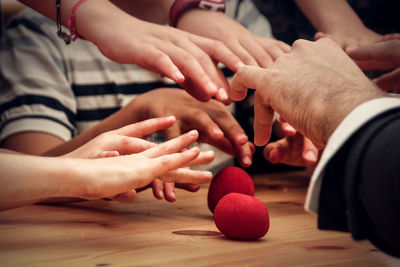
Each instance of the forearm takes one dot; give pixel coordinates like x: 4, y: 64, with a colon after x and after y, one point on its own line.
x: 127, y: 115
x: 92, y: 18
x: 330, y: 16
x: 29, y: 179
x: 360, y: 190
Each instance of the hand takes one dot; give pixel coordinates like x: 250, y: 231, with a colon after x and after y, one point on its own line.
x: 215, y: 123
x: 185, y: 58
x: 383, y: 55
x: 251, y: 49
x: 295, y: 150
x: 126, y: 173
x: 125, y: 141
x: 305, y: 87
x: 351, y: 37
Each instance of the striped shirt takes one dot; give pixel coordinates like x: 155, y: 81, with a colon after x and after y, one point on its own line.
x: 47, y: 86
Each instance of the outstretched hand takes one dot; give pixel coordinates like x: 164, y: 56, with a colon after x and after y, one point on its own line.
x: 305, y: 86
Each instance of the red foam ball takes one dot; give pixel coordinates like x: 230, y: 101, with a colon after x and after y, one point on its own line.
x: 230, y: 179
x: 240, y: 216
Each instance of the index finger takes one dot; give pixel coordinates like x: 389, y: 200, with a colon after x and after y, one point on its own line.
x: 147, y: 127
x: 246, y: 77
x: 263, y: 118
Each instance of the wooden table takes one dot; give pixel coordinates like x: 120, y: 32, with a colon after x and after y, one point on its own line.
x: 156, y: 233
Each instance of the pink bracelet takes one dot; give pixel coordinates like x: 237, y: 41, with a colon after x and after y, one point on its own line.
x: 71, y: 21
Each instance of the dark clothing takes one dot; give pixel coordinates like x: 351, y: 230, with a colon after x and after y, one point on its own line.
x: 360, y: 190
x: 289, y: 23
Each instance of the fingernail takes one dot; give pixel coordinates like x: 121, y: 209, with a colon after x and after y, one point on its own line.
x: 239, y: 64
x: 310, y: 156
x: 179, y: 76
x: 274, y: 156
x: 242, y: 138
x: 173, y: 195
x: 247, y: 161
x: 222, y: 94
x: 170, y: 118
x: 193, y: 133
x: 290, y: 128
x: 212, y: 87
x: 209, y: 153
x: 161, y: 194
x: 216, y: 131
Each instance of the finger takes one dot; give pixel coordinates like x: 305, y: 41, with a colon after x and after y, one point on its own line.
x: 203, y: 158
x: 284, y: 46
x: 184, y: 175
x: 273, y: 152
x: 244, y: 154
x: 223, y: 144
x: 392, y: 36
x: 288, y: 130
x: 244, y: 53
x: 129, y: 145
x: 384, y: 51
x: 158, y: 188
x: 274, y: 48
x: 164, y: 65
x: 169, y: 192
x: 147, y: 127
x: 210, y: 67
x: 310, y: 152
x: 246, y: 77
x: 263, y: 118
x: 223, y: 94
x: 389, y: 81
x: 196, y: 66
x: 188, y: 187
x: 107, y: 154
x: 200, y: 120
x: 231, y: 129
x: 219, y: 52
x: 320, y: 35
x: 173, y: 131
x: 173, y: 145
x: 127, y: 197
x: 375, y: 65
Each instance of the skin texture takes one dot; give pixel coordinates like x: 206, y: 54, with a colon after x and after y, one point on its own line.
x: 101, y: 177
x: 384, y: 55
x: 251, y: 49
x: 185, y: 58
x: 305, y: 87
x: 215, y: 124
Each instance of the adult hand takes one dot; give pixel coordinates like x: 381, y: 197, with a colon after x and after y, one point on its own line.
x: 251, y: 49
x: 305, y: 87
x: 215, y: 123
x: 383, y: 55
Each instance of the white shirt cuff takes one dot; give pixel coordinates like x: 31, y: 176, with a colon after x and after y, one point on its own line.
x: 351, y: 123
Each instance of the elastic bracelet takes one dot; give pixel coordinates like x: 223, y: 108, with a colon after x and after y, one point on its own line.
x: 179, y: 7
x: 73, y: 34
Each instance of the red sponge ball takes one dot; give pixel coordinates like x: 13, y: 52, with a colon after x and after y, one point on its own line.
x: 240, y: 216
x: 229, y: 180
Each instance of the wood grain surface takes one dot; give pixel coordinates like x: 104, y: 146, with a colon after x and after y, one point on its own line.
x: 151, y: 232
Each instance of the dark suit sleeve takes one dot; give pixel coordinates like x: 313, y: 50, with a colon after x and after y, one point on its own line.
x: 360, y: 191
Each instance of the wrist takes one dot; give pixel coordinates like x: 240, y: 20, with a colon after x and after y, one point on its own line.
x: 179, y: 7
